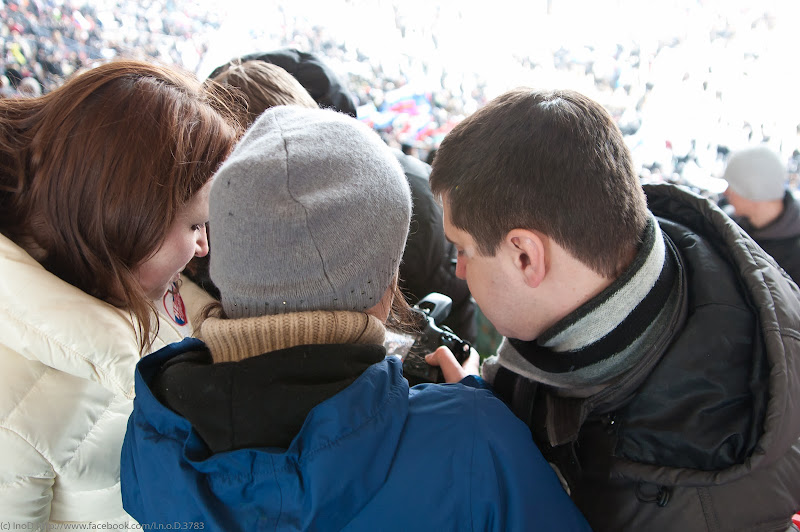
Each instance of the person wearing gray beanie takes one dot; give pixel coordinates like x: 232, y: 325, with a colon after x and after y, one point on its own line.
x: 336, y: 233
x: 756, y: 173
x: 286, y: 413
x: 763, y: 206
x: 290, y: 77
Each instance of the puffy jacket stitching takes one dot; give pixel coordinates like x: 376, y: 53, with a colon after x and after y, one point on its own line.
x: 791, y: 333
x: 19, y: 480
x: 718, y: 304
x: 89, y: 431
x: 113, y: 487
x: 22, y: 399
x: 707, y: 506
x: 67, y: 349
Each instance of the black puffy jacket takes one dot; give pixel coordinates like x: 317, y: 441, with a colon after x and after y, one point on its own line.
x: 709, y: 439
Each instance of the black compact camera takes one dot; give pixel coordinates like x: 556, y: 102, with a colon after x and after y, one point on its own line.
x: 429, y: 313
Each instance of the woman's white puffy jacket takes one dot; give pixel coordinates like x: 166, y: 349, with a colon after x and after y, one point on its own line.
x: 67, y: 361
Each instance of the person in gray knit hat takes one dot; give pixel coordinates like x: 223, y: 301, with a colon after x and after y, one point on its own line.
x: 319, y: 171
x: 756, y: 173
x: 427, y: 264
x: 286, y: 413
x: 763, y: 206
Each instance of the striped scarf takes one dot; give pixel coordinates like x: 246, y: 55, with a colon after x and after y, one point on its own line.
x: 598, y: 342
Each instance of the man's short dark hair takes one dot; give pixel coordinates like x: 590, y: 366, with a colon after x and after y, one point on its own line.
x: 551, y: 161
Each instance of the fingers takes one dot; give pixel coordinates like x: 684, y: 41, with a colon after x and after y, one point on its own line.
x: 451, y: 369
x: 472, y: 365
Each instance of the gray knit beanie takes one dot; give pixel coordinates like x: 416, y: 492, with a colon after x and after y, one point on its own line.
x: 310, y: 212
x: 756, y: 174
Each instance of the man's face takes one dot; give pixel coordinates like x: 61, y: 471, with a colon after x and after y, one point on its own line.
x: 492, y: 280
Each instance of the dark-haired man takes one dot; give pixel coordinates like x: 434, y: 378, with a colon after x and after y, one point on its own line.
x: 651, y: 346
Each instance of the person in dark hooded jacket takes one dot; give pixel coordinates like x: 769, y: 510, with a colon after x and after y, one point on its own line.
x: 652, y: 347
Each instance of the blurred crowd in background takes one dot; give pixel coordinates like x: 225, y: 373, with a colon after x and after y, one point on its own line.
x: 48, y: 40
x: 687, y: 81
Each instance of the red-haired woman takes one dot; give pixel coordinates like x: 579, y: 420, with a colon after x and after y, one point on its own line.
x: 104, y: 188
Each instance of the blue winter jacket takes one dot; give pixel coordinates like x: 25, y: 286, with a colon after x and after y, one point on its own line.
x: 375, y: 456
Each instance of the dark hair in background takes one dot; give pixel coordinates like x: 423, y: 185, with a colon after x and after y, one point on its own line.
x: 552, y: 161
x: 93, y: 173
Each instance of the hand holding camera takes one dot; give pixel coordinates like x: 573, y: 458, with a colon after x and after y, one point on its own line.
x: 430, y: 311
x: 451, y: 369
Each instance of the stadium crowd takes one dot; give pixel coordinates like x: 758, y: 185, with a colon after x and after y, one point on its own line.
x: 411, y: 90
x: 646, y: 374
x: 48, y: 40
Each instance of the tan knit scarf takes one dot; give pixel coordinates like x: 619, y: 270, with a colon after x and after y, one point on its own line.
x: 232, y: 340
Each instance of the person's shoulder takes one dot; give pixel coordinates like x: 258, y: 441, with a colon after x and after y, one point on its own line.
x: 61, y: 326
x: 477, y: 405
x: 505, y: 464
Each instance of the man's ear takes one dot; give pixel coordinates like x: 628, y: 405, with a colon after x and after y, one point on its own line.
x: 529, y: 250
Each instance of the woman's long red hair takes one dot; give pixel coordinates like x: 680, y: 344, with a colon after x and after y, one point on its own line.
x: 94, y: 173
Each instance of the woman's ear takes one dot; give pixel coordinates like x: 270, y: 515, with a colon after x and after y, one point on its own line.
x: 529, y: 253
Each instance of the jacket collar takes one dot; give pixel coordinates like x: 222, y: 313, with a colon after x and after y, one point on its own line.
x: 230, y: 340
x: 261, y: 401
x: 776, y: 303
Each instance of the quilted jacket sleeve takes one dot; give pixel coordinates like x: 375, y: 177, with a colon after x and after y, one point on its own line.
x: 26, y: 481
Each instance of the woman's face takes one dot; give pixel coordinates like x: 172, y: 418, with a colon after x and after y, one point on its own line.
x: 186, y: 238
